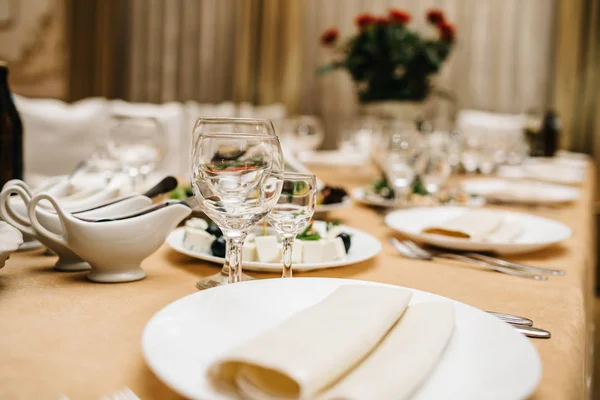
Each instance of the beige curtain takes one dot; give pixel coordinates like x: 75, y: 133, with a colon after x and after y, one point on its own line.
x: 182, y: 50
x: 576, y: 78
x: 270, y: 45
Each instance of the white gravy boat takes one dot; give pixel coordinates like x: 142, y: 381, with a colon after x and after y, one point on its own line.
x: 14, y: 211
x: 114, y: 249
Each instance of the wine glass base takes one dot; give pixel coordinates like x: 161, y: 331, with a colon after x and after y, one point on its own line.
x: 219, y: 279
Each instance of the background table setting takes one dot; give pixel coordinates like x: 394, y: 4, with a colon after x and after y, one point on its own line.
x: 188, y: 250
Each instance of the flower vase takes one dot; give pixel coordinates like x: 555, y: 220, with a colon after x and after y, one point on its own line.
x: 406, y: 111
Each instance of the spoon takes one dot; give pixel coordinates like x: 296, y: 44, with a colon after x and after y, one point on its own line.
x: 166, y: 185
x: 191, y: 202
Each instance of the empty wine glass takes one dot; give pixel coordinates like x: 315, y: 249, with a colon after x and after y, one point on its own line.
x: 293, y: 212
x: 404, y: 160
x: 237, y: 170
x: 437, y: 167
x: 138, y: 144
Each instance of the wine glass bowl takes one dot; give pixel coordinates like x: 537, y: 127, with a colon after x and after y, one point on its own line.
x: 293, y: 212
x: 138, y: 144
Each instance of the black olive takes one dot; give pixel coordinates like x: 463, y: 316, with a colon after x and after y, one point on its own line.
x: 347, y: 241
x: 214, y: 230
x: 218, y: 247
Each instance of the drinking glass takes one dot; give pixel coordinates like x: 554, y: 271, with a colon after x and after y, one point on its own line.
x: 404, y: 160
x: 237, y: 171
x: 139, y: 144
x: 359, y: 135
x: 437, y: 167
x: 293, y: 212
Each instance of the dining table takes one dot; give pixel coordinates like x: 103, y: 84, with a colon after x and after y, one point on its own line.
x: 62, y: 336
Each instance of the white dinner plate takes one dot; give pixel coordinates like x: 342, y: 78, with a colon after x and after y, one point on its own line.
x: 525, y: 192
x: 543, y: 171
x: 363, y: 247
x: 537, y: 234
x: 364, y: 195
x: 485, y: 358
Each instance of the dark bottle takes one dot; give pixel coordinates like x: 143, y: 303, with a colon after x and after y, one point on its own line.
x: 11, y: 133
x: 549, y: 133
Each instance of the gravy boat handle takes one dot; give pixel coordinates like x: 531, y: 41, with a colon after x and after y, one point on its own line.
x: 56, y: 238
x: 10, y: 215
x: 19, y: 183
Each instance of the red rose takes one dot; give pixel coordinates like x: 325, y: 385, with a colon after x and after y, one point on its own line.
x: 382, y: 21
x: 435, y: 16
x: 399, y: 16
x: 447, y: 32
x: 329, y: 37
x: 364, y: 20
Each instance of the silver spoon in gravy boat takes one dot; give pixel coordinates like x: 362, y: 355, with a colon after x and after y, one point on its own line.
x: 164, y: 186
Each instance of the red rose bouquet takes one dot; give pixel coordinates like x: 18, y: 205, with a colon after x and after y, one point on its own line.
x: 389, y: 61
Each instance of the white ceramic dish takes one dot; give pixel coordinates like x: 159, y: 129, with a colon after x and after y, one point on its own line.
x: 525, y: 192
x: 538, y: 232
x: 365, y: 196
x: 485, y: 357
x: 363, y: 247
x: 10, y: 240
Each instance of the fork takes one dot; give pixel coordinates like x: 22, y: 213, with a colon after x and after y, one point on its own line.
x: 411, y: 250
x: 493, y: 260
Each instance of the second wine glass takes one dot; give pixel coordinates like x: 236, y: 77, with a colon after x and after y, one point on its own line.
x: 293, y: 212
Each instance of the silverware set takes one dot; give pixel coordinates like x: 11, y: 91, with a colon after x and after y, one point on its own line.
x: 410, y: 249
x: 522, y: 325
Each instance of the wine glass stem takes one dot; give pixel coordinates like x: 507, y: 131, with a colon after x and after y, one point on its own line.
x: 234, y: 254
x: 288, y: 242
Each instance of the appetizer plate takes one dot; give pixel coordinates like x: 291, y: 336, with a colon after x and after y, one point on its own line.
x: 537, y: 234
x: 524, y: 192
x: 363, y: 247
x: 364, y: 195
x: 484, y: 359
x: 545, y: 172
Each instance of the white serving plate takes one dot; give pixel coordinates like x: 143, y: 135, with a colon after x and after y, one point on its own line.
x: 363, y: 247
x: 538, y: 232
x: 545, y: 172
x: 524, y: 192
x: 484, y: 359
x: 364, y: 196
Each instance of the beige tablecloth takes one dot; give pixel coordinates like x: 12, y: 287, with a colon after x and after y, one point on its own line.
x: 63, y: 335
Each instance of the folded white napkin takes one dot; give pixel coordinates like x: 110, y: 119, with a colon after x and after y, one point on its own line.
x: 481, y: 225
x: 404, y: 359
x: 313, y: 348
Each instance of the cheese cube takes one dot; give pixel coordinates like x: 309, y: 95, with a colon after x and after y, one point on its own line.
x: 197, y: 240
x: 197, y: 223
x: 340, y: 249
x: 267, y: 249
x: 249, y: 251
x: 297, y: 252
x: 329, y: 252
x: 312, y: 251
x: 334, y: 231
